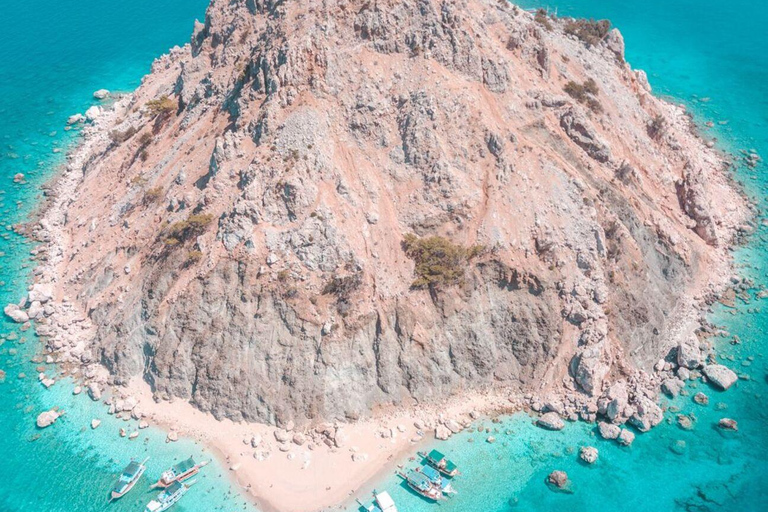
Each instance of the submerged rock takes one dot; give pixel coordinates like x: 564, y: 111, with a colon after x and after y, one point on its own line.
x: 626, y: 438
x: 559, y: 480
x: 728, y: 424
x: 15, y: 313
x: 701, y: 399
x: 678, y: 447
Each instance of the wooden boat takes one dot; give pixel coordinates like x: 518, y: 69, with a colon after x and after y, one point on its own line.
x: 382, y: 502
x: 437, y: 480
x: 421, y: 484
x: 168, y: 497
x: 128, y: 479
x: 179, y: 472
x: 438, y: 461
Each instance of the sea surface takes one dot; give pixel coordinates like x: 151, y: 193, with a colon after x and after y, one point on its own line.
x: 710, y: 55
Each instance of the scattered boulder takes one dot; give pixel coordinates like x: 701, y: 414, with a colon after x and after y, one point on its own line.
x: 647, y: 416
x: 689, y: 353
x: 359, y: 457
x: 95, y: 424
x: 101, y: 94
x: 92, y: 113
x: 299, y: 438
x: 626, y: 437
x: 172, y: 437
x: 94, y: 391
x: 255, y: 440
x: 47, y: 418
x: 15, y: 313
x: 672, y: 387
x: 728, y: 424
x: 558, y: 480
x: 608, y: 430
x: 678, y: 447
x: 143, y: 424
x: 685, y: 422
x: 453, y: 426
x: 442, y: 433
x: 75, y: 119
x: 701, y: 399
x: 40, y: 293
x: 719, y: 375
x: 588, y: 454
x: 551, y: 421
x: 282, y: 436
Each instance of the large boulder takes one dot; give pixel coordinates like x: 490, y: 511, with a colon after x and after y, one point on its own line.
x: 41, y: 293
x: 614, y: 41
x: 94, y: 391
x: 689, y: 353
x: 93, y: 113
x: 626, y: 437
x: 588, y: 454
x: 608, y: 430
x: 558, y: 479
x: 15, y: 313
x: 589, y: 370
x: 551, y: 421
x: 672, y: 387
x: 647, y: 415
x: 101, y: 94
x: 721, y: 376
x: 442, y: 433
x: 47, y: 418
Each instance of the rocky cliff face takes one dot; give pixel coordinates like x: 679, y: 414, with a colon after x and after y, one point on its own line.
x: 236, y: 240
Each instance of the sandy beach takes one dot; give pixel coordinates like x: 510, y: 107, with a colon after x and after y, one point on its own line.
x: 288, y: 477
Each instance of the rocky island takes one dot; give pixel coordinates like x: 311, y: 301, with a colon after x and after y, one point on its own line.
x: 319, y: 214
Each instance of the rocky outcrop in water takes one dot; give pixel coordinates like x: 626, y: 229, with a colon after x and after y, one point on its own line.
x: 233, y: 232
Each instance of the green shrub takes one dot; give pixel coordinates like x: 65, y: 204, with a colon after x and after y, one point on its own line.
x: 585, y: 93
x: 153, y: 195
x: 542, y: 18
x: 145, y: 139
x: 657, y: 127
x: 162, y: 106
x: 193, y: 257
x: 590, y: 31
x: 438, y: 260
x: 120, y: 137
x: 179, y: 232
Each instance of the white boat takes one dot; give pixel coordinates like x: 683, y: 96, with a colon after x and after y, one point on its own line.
x: 382, y: 502
x: 168, y: 497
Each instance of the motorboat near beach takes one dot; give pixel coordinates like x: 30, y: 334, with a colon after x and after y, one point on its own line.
x: 438, y: 461
x: 128, y: 479
x: 180, y: 472
x: 437, y: 479
x: 382, y: 502
x: 422, y: 485
x: 168, y: 497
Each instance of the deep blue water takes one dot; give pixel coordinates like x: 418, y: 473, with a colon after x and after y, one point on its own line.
x: 713, y: 56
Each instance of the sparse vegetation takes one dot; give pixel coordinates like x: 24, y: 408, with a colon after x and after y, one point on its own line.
x: 179, y: 232
x: 439, y: 262
x: 145, y: 139
x: 590, y: 31
x: 193, y: 257
x: 585, y: 93
x: 122, y: 136
x: 153, y: 195
x: 162, y: 106
x: 542, y: 18
x: 657, y: 127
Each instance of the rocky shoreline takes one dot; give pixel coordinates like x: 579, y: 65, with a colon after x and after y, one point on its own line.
x: 598, y: 380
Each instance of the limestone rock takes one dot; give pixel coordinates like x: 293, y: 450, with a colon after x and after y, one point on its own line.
x: 721, y: 376
x: 728, y: 424
x: 47, y: 418
x: 648, y: 415
x: 588, y: 454
x: 442, y: 432
x: 95, y: 424
x: 608, y: 430
x: 101, y: 94
x: 626, y: 437
x: 689, y: 353
x: 16, y: 314
x: 558, y: 479
x: 551, y: 421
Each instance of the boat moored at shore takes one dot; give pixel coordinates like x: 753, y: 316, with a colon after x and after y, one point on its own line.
x: 179, y: 472
x: 168, y: 497
x: 382, y: 502
x: 128, y: 478
x: 422, y: 485
x: 439, y: 461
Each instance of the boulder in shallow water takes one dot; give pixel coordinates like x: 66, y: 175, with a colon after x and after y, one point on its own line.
x: 15, y: 313
x: 76, y: 118
x: 95, y: 424
x: 608, y: 430
x: 47, y: 418
x: 101, y: 94
x: 728, y: 424
x: 588, y: 454
x: 172, y: 437
x: 719, y: 375
x: 626, y: 437
x: 701, y: 399
x: 94, y: 391
x: 551, y: 421
x: 92, y: 113
x: 647, y: 416
x: 689, y: 353
x: 678, y: 447
x: 672, y: 387
x: 442, y: 433
x: 558, y: 480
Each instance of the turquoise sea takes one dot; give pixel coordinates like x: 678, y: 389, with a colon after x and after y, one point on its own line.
x: 710, y: 55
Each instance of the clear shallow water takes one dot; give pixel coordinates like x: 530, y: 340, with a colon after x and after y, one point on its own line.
x: 713, y: 57
x: 54, y: 54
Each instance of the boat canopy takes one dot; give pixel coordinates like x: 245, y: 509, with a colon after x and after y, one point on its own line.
x: 419, y: 480
x: 385, y: 502
x: 430, y: 472
x: 184, y: 466
x: 436, y: 456
x: 132, y: 469
x: 172, y: 489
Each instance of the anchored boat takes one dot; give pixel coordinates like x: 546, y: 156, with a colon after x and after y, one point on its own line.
x: 178, y: 473
x: 421, y: 484
x: 382, y: 502
x: 168, y: 497
x: 436, y: 479
x: 438, y: 461
x: 128, y: 479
